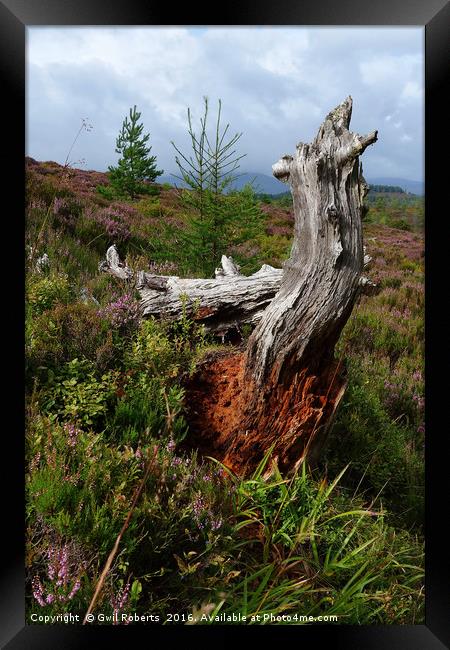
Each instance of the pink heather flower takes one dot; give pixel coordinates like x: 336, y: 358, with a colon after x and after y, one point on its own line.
x: 75, y: 588
x: 38, y: 591
x: 72, y: 433
x: 119, y: 600
x: 35, y: 461
x: 61, y: 559
x: 57, y: 569
x: 51, y: 570
x: 114, y: 220
x: 123, y: 311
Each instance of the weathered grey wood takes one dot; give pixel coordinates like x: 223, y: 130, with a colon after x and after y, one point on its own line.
x: 220, y: 303
x: 226, y: 302
x: 290, y: 383
x: 321, y: 277
x: 228, y: 267
x: 114, y: 266
x: 42, y: 263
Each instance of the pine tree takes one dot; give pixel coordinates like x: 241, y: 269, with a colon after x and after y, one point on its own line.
x: 215, y: 221
x: 135, y: 165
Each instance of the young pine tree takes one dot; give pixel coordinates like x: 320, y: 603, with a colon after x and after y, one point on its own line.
x: 215, y: 221
x: 135, y: 165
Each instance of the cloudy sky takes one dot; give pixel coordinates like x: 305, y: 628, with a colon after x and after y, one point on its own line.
x: 276, y: 85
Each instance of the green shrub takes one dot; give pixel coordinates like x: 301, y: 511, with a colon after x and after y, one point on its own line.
x: 74, y: 481
x: 151, y: 351
x: 393, y: 283
x: 107, y: 192
x: 400, y: 224
x: 69, y: 331
x: 385, y: 453
x: 409, y: 265
x: 75, y: 394
x: 142, y: 407
x: 274, y: 249
x: 149, y: 207
x: 46, y: 291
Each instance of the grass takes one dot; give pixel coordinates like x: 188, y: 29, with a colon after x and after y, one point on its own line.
x: 313, y: 551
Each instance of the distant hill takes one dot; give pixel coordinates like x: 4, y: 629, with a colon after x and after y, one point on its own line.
x: 265, y: 184
x: 414, y: 187
x: 262, y: 183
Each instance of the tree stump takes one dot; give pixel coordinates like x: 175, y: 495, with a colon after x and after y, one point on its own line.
x: 283, y: 391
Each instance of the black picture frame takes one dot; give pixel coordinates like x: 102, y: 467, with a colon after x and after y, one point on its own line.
x: 433, y: 15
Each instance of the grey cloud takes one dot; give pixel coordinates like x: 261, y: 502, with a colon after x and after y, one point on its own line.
x: 276, y: 86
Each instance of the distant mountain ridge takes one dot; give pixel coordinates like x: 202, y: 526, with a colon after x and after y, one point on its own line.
x: 414, y: 187
x: 262, y: 183
x: 265, y: 184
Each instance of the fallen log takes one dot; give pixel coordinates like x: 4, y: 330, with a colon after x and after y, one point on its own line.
x: 227, y: 301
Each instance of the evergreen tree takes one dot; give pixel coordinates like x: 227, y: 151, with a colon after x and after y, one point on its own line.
x: 135, y: 165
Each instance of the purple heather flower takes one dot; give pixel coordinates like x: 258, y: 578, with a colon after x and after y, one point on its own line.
x: 119, y: 600
x: 114, y: 220
x: 38, y: 591
x: 122, y: 311
x: 74, y: 590
x: 198, y: 506
x: 61, y: 563
x: 57, y: 568
x: 72, y: 433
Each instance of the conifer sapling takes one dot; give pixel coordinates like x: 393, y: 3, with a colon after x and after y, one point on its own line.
x: 135, y: 165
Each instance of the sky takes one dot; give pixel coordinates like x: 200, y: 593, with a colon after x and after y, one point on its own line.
x: 276, y: 85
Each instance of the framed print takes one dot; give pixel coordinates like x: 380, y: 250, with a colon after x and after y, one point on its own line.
x: 230, y: 403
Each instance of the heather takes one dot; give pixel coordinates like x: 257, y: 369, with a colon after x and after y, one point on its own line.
x: 105, y: 407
